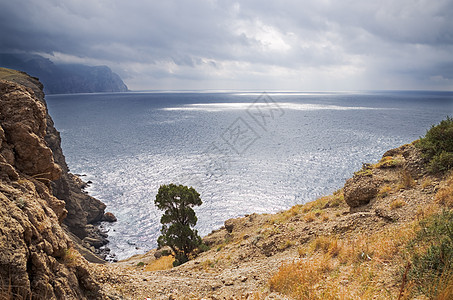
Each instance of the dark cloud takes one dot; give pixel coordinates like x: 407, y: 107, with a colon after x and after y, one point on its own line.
x: 298, y: 45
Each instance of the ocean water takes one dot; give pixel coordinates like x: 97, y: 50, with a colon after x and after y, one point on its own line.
x: 243, y: 152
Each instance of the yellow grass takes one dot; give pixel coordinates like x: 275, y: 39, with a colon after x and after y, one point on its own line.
x: 310, y: 217
x: 389, y: 162
x: 384, y: 191
x: 426, y: 182
x: 346, y: 268
x: 163, y: 263
x: 397, y: 203
x: 445, y: 194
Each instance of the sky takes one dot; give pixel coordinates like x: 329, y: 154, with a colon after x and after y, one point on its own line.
x: 286, y: 45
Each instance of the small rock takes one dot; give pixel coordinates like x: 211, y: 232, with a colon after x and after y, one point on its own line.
x: 109, y: 217
x: 228, y: 282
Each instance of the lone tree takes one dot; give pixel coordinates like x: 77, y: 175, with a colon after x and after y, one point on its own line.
x: 178, y: 220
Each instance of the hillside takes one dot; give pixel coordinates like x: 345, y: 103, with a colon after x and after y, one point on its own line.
x: 65, y: 78
x: 354, y: 244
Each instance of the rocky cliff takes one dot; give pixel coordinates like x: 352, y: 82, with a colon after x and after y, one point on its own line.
x: 44, y: 212
x: 65, y: 78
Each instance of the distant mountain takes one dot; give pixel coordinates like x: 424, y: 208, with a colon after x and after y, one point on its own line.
x: 65, y: 78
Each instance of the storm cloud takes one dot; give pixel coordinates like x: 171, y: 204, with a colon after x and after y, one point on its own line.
x: 261, y: 45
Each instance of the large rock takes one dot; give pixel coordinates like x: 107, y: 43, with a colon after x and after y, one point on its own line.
x: 360, y: 189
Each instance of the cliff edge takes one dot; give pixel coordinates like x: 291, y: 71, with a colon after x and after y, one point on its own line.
x: 43, y: 209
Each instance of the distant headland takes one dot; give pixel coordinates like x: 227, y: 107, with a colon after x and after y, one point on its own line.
x: 65, y: 78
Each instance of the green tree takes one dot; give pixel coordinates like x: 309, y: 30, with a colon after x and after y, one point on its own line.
x: 178, y: 220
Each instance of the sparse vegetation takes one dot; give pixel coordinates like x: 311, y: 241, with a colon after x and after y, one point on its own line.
x: 10, y: 292
x: 406, y: 180
x: 384, y: 191
x: 397, y: 203
x: 426, y: 182
x: 70, y: 257
x: 444, y: 195
x: 432, y: 259
x: 389, y: 162
x: 437, y: 146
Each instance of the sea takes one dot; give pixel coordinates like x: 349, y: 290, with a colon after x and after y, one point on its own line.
x: 244, y: 152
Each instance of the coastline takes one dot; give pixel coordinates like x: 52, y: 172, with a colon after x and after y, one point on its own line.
x: 354, y: 243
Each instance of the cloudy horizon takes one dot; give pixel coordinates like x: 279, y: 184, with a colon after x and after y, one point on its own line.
x: 247, y: 45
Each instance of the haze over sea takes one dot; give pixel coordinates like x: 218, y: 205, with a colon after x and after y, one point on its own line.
x: 243, y: 152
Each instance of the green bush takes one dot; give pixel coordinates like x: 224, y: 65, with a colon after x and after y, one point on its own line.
x: 430, y: 268
x: 437, y: 146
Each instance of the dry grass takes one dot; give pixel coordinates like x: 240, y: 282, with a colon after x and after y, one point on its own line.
x: 163, y: 263
x: 444, y: 287
x: 70, y: 257
x: 406, y: 180
x: 389, y: 162
x: 444, y: 195
x: 426, y: 182
x: 310, y: 217
x: 397, y: 203
x: 347, y: 268
x: 384, y: 191
x: 10, y: 292
x: 300, y: 279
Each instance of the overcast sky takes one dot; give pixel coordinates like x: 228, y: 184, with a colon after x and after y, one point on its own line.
x: 253, y: 45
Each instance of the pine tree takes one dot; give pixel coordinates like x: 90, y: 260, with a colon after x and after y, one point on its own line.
x: 178, y: 220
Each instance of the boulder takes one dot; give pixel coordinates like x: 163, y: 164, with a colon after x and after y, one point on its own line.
x: 359, y: 190
x: 109, y: 217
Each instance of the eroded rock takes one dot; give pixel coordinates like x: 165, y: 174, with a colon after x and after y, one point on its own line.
x: 360, y: 189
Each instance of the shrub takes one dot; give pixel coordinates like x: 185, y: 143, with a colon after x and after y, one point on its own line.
x: 437, y: 146
x: 432, y: 261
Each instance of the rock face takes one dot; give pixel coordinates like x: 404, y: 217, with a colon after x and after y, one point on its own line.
x: 37, y: 259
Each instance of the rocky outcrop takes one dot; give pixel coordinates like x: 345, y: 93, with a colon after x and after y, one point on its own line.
x: 23, y: 121
x: 37, y: 258
x: 40, y: 155
x: 360, y: 189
